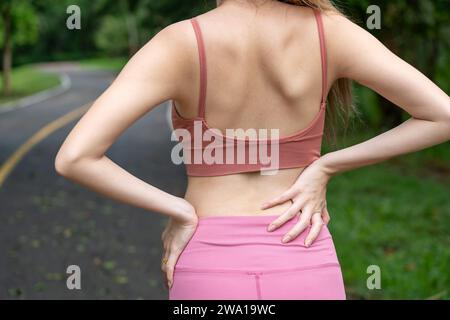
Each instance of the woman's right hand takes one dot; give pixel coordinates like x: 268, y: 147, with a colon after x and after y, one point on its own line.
x: 175, y: 237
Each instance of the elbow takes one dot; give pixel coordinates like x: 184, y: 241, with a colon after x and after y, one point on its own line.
x: 66, y: 162
x: 442, y: 122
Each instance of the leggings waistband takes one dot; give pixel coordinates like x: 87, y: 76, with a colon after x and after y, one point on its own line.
x: 242, y: 243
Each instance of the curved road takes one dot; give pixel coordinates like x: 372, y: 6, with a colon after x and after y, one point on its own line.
x: 48, y: 223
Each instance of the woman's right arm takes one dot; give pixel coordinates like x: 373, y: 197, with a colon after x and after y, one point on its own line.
x: 358, y: 55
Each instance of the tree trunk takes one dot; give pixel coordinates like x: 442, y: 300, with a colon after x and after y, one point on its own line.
x: 7, y: 50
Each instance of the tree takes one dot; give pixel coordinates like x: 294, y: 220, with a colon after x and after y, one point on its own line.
x: 19, y: 26
x: 7, y: 46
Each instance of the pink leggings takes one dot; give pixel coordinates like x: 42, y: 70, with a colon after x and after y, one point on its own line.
x: 236, y: 258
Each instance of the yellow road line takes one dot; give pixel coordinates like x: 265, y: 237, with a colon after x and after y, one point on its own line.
x: 44, y: 132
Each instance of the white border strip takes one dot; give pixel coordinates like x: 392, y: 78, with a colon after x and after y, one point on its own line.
x: 65, y: 85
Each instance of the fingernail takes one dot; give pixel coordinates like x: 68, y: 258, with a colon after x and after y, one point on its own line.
x: 170, y: 284
x: 270, y: 227
x: 286, y: 239
x: 307, y: 243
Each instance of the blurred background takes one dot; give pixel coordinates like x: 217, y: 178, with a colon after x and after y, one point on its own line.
x: 395, y: 215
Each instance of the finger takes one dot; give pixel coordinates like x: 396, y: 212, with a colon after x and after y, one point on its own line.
x: 317, y: 224
x: 291, y: 212
x: 164, y: 269
x: 165, y: 256
x: 285, y: 196
x: 164, y: 234
x: 170, y: 268
x: 299, y: 227
x: 326, y: 215
x: 164, y: 277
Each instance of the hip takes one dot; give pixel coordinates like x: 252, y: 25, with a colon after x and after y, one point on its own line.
x: 242, y: 244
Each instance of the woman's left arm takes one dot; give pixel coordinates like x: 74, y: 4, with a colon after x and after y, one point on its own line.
x: 361, y: 57
x: 153, y: 75
x: 356, y: 54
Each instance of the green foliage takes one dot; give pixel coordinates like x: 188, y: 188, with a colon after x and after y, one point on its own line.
x: 394, y: 215
x: 24, y: 23
x: 417, y: 31
x: 111, y: 37
x: 386, y: 217
x: 112, y: 64
x: 98, y: 18
x: 367, y: 101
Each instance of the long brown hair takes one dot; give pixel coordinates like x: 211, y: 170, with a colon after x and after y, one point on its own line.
x: 340, y: 98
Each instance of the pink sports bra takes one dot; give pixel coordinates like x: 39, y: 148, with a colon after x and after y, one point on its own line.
x: 207, y: 152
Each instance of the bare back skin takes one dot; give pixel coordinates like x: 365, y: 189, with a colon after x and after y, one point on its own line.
x: 264, y: 71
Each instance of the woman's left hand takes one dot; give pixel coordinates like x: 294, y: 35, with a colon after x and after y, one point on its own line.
x: 308, y: 196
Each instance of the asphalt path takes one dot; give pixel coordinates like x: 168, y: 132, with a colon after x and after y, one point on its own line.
x: 48, y: 223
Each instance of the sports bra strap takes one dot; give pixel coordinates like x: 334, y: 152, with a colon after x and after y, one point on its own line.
x: 203, y: 71
x: 202, y: 60
x: 323, y: 53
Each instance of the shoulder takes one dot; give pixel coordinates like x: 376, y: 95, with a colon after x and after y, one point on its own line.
x: 337, y: 26
x: 178, y: 34
x: 172, y: 48
x: 176, y: 41
x: 346, y: 40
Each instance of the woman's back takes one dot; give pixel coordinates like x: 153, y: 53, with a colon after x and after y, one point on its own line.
x: 264, y: 71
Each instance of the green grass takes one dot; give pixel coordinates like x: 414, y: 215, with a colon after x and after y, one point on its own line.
x: 112, y: 64
x: 395, y: 215
x: 26, y: 81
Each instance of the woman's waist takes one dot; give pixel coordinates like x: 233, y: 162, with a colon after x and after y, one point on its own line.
x: 235, y: 207
x: 241, y: 194
x: 248, y: 230
x: 240, y: 242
